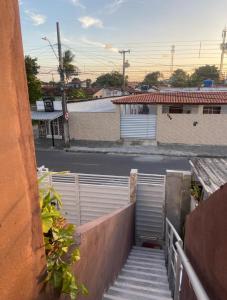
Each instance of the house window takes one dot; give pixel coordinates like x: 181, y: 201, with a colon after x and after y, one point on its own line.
x: 211, y: 110
x: 176, y: 109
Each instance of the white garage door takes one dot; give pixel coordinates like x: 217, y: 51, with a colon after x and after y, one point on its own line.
x: 138, y: 126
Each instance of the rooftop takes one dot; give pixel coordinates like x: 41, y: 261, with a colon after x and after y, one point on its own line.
x: 175, y: 98
x: 211, y: 172
x: 95, y: 105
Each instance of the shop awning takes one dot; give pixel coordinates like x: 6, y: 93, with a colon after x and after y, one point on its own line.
x: 49, y: 116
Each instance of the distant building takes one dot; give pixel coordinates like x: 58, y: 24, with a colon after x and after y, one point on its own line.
x: 108, y: 92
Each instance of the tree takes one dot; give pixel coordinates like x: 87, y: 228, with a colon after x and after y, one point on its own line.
x: 113, y: 79
x: 179, y: 78
x: 34, y: 84
x: 152, y: 78
x: 69, y: 68
x: 203, y: 73
x: 78, y: 94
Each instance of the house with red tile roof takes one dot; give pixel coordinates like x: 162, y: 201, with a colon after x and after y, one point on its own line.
x: 174, y: 117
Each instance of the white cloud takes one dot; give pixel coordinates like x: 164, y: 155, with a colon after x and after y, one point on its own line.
x: 78, y: 3
x: 87, y: 22
x: 114, y: 6
x: 37, y: 19
x: 20, y: 2
x: 100, y: 45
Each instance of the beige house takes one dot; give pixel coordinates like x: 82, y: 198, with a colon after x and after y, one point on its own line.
x: 176, y: 117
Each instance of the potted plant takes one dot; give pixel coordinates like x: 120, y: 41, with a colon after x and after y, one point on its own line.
x: 196, y: 193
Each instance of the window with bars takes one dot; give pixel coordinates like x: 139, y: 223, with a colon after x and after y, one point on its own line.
x: 176, y: 109
x: 211, y: 110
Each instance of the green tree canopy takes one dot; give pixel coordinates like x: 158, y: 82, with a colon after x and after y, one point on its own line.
x: 203, y: 73
x: 113, y: 79
x: 34, y: 84
x: 69, y: 68
x: 78, y: 94
x: 179, y: 78
x: 152, y: 78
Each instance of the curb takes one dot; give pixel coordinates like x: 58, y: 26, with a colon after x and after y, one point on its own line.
x: 163, y: 153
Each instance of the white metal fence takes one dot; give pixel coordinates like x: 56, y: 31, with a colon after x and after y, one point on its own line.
x: 150, y: 202
x: 86, y: 197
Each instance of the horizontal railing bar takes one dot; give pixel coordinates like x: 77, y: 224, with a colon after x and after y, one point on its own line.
x: 195, y: 282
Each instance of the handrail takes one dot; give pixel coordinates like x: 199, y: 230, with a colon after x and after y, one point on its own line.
x: 178, y: 238
x: 195, y: 282
x: 176, y: 261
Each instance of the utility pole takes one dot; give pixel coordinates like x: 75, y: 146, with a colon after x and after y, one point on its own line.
x: 62, y: 79
x: 223, y: 51
x: 125, y: 65
x: 172, y: 58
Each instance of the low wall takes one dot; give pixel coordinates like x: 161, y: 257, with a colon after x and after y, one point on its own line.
x: 94, y: 126
x: 206, y: 246
x: 208, y: 131
x: 105, y: 245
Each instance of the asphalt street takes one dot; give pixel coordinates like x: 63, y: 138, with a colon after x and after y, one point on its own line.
x: 108, y: 164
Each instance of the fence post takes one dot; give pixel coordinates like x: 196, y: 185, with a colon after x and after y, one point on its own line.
x: 133, y: 185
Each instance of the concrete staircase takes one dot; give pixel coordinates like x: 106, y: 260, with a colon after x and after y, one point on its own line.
x: 143, y: 277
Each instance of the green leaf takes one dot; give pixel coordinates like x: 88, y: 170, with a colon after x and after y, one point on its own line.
x: 84, y: 290
x: 47, y: 224
x: 75, y: 255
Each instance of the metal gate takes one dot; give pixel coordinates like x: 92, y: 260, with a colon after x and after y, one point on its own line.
x: 150, y: 208
x: 138, y: 126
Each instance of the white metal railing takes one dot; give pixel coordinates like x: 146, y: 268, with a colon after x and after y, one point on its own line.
x: 177, y: 261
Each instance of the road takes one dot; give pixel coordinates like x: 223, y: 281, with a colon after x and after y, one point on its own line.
x: 109, y: 164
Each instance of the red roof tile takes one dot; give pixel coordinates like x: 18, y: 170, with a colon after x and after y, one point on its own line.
x: 175, y: 98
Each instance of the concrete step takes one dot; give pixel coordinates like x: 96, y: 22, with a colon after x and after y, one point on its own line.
x: 147, y: 259
x: 113, y: 297
x: 151, y: 265
x: 147, y: 255
x: 133, y: 295
x: 148, y: 252
x: 146, y: 269
x: 147, y: 290
x: 143, y: 282
x: 148, y: 249
x: 144, y: 275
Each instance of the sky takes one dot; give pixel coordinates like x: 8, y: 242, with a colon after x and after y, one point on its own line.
x: 95, y: 30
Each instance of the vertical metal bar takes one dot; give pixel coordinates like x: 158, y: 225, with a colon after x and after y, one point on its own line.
x: 170, y: 253
x: 178, y: 276
x: 166, y: 242
x: 77, y: 189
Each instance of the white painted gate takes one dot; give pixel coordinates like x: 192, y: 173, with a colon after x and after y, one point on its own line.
x: 86, y: 197
x: 138, y: 126
x: 150, y: 208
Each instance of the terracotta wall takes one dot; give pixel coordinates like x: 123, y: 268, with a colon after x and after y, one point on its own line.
x: 105, y: 244
x: 95, y: 126
x: 21, y: 255
x: 180, y: 130
x: 206, y: 246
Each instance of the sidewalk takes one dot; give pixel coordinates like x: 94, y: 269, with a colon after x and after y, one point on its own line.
x: 167, y: 150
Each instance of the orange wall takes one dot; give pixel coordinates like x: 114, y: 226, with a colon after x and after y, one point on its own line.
x: 206, y: 246
x: 104, y: 244
x: 22, y: 259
